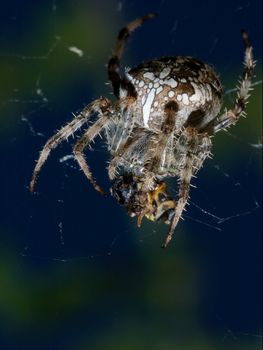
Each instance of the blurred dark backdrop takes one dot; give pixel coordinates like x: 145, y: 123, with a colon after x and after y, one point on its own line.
x: 75, y: 272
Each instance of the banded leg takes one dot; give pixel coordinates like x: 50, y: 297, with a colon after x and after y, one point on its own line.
x: 160, y: 143
x: 114, y: 62
x: 118, y: 158
x: 231, y: 116
x: 98, y: 106
x: 198, y: 148
x: 89, y: 135
x: 186, y: 175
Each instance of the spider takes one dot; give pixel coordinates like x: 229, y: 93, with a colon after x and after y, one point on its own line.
x: 161, y: 124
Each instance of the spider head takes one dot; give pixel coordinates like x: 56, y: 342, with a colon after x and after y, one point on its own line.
x: 155, y: 205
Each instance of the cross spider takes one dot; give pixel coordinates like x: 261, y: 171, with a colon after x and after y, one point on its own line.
x: 160, y: 126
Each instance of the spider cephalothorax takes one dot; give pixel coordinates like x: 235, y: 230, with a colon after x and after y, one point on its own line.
x: 160, y: 126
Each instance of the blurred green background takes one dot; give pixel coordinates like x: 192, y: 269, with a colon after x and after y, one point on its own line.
x: 75, y: 272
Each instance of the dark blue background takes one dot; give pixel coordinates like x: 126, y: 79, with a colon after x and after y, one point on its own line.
x: 75, y: 272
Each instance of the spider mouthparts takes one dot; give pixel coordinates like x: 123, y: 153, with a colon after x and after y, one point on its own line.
x: 155, y: 205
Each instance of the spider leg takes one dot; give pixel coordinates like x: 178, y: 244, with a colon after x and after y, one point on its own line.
x: 114, y: 62
x: 89, y: 135
x: 99, y: 105
x: 185, y: 178
x: 160, y: 142
x: 199, y: 146
x: 122, y: 151
x: 230, y: 117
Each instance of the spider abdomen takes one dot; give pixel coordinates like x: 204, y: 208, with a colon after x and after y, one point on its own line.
x: 189, y: 83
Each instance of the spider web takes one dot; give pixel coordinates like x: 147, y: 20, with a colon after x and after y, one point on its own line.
x: 53, y: 63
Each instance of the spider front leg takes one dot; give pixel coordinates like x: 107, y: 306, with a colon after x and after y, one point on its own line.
x: 98, y: 106
x: 118, y: 158
x: 89, y: 135
x: 185, y: 179
x: 121, y: 154
x: 122, y: 140
x: 157, y: 149
x: 197, y: 149
x: 231, y: 116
